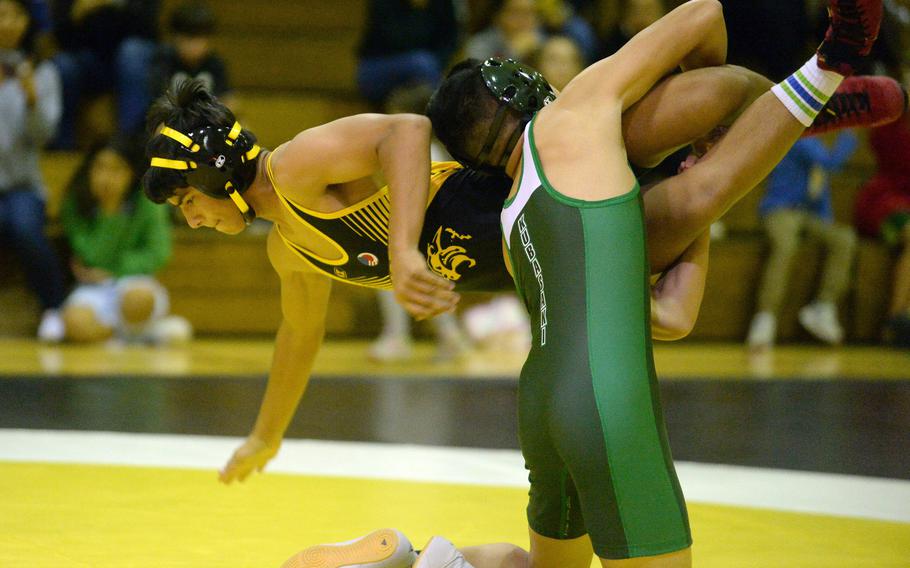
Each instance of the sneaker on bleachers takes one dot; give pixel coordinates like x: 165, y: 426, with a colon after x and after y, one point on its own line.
x: 171, y: 330
x: 51, y: 329
x: 451, y: 346
x: 762, y: 331
x: 820, y: 319
x: 390, y: 349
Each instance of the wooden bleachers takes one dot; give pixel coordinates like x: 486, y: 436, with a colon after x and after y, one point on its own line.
x: 291, y: 45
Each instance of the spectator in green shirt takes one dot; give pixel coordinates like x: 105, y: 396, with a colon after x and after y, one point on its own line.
x: 118, y: 240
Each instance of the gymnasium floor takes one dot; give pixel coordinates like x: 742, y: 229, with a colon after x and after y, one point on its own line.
x: 108, y: 455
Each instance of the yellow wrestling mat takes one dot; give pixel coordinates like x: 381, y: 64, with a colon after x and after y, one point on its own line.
x: 54, y: 515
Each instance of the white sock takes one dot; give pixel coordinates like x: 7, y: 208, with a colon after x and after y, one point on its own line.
x: 805, y: 92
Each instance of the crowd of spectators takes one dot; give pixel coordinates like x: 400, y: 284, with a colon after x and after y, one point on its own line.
x: 59, y: 58
x: 62, y: 60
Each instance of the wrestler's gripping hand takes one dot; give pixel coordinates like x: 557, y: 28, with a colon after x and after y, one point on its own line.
x: 422, y: 293
x: 251, y: 456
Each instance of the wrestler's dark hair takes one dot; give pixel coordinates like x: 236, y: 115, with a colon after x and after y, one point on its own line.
x: 186, y: 108
x: 462, y: 109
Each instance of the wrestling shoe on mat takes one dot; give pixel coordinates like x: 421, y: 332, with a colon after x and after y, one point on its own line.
x: 385, y: 548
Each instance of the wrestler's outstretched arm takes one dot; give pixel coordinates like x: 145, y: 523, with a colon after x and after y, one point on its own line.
x: 304, y: 305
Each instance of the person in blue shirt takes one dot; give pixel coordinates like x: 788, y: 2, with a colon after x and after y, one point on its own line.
x: 797, y: 203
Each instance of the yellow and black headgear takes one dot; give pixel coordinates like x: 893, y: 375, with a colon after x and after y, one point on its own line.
x: 212, y: 157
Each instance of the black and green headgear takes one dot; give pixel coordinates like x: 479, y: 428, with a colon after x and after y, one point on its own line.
x: 211, y: 156
x: 515, y: 86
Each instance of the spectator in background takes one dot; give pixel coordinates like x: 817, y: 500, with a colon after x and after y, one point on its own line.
x: 40, y: 11
x: 119, y: 240
x: 395, y: 341
x: 514, y: 31
x: 560, y: 18
x: 405, y: 43
x: 188, y: 54
x: 559, y: 59
x: 797, y: 201
x: 634, y: 16
x: 29, y: 112
x: 106, y: 46
x: 883, y: 212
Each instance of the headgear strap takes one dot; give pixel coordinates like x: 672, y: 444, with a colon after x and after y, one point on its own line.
x: 220, y: 159
x: 515, y: 86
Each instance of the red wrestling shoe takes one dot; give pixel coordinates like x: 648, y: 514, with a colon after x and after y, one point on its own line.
x: 853, y: 29
x: 863, y: 101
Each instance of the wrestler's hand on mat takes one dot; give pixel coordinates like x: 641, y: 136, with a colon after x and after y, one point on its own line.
x: 422, y: 293
x: 252, y: 455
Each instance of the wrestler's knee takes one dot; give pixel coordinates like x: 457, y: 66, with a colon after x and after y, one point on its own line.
x: 82, y: 325
x: 515, y: 557
x: 137, y: 304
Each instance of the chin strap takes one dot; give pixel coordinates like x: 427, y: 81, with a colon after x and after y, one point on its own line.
x: 513, y: 140
x: 246, y: 210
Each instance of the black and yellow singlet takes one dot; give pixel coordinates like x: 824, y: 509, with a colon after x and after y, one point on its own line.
x: 461, y: 236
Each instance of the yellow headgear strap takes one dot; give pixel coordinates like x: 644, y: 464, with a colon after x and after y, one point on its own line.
x: 181, y: 138
x: 238, y: 200
x: 173, y: 164
x: 233, y: 134
x: 254, y: 151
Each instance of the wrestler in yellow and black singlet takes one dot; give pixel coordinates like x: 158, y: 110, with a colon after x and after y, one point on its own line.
x: 461, y: 236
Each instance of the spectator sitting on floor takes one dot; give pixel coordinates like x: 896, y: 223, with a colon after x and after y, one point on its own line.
x: 883, y: 212
x: 188, y: 54
x: 796, y: 202
x: 29, y: 112
x: 405, y: 43
x: 118, y: 240
x: 106, y: 47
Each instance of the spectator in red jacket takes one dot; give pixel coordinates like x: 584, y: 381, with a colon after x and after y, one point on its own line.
x: 883, y: 211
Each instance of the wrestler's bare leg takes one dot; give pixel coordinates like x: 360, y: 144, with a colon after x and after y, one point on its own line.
x: 680, y: 208
x: 686, y: 107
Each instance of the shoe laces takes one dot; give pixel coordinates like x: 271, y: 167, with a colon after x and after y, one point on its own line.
x: 843, y: 105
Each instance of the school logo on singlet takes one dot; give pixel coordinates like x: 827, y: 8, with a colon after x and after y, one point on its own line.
x: 220, y: 160
x: 368, y: 259
x: 531, y: 254
x: 445, y: 256
x: 341, y: 273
